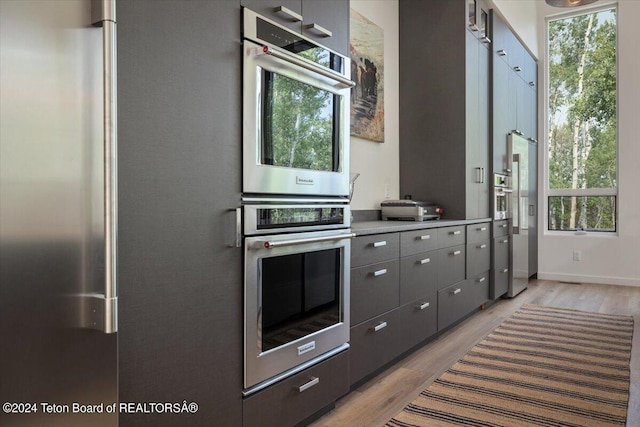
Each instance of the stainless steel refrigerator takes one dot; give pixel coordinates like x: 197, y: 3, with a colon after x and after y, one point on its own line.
x: 58, y: 225
x: 518, y: 155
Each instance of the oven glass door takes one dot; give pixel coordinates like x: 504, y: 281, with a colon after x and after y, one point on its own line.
x: 300, y: 296
x: 295, y: 126
x: 300, y: 124
x: 296, y: 300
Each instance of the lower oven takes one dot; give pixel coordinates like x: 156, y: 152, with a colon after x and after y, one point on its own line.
x: 296, y: 288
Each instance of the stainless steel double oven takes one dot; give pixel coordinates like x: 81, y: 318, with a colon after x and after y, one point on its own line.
x: 296, y: 214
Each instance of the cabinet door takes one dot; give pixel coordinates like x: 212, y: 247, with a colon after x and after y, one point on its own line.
x: 451, y: 265
x: 530, y: 70
x: 374, y: 290
x: 523, y: 109
x: 472, y: 124
x: 482, y: 149
x: 512, y: 118
x: 533, y: 112
x: 499, y: 37
x: 516, y: 53
x: 418, y: 276
x: 478, y: 257
x: 501, y: 114
x: 330, y: 15
x: 285, y: 12
x: 418, y: 321
x: 501, y: 251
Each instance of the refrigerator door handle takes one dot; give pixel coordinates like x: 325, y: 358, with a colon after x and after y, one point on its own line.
x: 516, y: 195
x: 105, y: 318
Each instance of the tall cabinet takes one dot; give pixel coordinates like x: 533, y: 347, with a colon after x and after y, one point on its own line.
x: 444, y: 155
x: 514, y: 109
x: 180, y: 280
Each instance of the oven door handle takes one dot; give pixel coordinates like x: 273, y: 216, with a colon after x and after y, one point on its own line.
x: 268, y: 244
x: 343, y: 81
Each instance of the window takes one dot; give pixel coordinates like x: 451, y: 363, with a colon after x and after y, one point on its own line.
x: 582, y: 122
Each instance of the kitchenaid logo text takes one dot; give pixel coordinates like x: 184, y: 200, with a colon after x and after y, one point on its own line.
x: 304, y: 181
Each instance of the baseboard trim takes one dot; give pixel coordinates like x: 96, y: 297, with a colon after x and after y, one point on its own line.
x: 600, y: 280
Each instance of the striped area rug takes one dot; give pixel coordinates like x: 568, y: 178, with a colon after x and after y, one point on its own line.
x: 542, y: 366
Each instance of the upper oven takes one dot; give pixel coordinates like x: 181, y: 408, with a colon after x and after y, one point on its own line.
x: 296, y: 100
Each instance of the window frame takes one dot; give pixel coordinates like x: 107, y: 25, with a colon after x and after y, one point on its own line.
x: 579, y: 192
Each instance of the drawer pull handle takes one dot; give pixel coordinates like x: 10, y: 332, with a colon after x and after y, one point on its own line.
x: 456, y: 292
x: 504, y: 226
x: 482, y: 229
x: 454, y: 233
x: 502, y: 52
x: 454, y: 253
x: 425, y: 237
x: 481, y: 246
x: 311, y: 383
x: 379, y: 244
x: 423, y: 306
x: 380, y: 326
x: 506, y: 270
x: 505, y: 241
x: 295, y: 17
x: 380, y: 272
x: 480, y: 280
x: 425, y: 261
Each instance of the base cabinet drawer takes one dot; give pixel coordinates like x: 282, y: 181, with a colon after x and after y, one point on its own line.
x: 374, y: 290
x: 478, y: 257
x: 479, y: 285
x: 375, y: 248
x: 418, y: 276
x: 414, y: 242
x: 373, y: 343
x: 418, y: 321
x: 451, y: 236
x: 451, y: 265
x: 501, y: 228
x: 499, y: 282
x: 478, y: 232
x: 450, y: 300
x: 298, y: 397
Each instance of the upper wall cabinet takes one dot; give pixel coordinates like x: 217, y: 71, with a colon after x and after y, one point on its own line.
x: 444, y: 113
x: 325, y: 21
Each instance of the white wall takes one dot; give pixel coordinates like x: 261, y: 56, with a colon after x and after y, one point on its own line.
x: 613, y: 259
x: 378, y: 163
x: 521, y: 16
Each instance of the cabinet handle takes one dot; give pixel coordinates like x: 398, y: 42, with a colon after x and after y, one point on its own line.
x: 308, y: 385
x: 474, y: 27
x: 379, y: 326
x: 504, y: 226
x: 454, y: 233
x: 454, y: 253
x: 379, y: 244
x: 486, y: 40
x: 505, y: 241
x: 321, y: 30
x: 481, y: 229
x: 480, y: 280
x: 517, y: 69
x: 456, y: 292
x: 506, y: 270
x: 380, y: 272
x: 518, y: 132
x: 425, y: 237
x: 425, y: 261
x: 422, y: 306
x: 532, y: 84
x: 295, y: 17
x: 533, y: 140
x: 502, y: 52
x: 481, y: 246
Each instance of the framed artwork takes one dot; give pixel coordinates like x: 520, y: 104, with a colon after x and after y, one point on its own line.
x: 366, y: 49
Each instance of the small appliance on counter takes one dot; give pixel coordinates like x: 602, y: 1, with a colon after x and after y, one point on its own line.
x: 410, y: 210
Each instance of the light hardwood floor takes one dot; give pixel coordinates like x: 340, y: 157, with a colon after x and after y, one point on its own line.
x: 378, y: 400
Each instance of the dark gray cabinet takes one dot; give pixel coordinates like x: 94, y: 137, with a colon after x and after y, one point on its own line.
x: 325, y: 21
x: 374, y: 290
x: 444, y: 112
x: 179, y: 281
x: 500, y: 259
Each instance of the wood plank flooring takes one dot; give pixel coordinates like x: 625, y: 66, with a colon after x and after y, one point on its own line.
x: 378, y: 400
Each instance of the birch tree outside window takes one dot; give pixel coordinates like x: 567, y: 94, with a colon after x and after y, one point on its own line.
x: 582, y: 122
